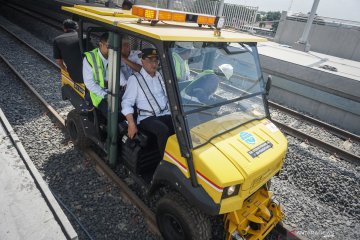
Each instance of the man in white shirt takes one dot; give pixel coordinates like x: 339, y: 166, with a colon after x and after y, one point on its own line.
x: 146, y: 90
x: 130, y: 60
x: 95, y: 75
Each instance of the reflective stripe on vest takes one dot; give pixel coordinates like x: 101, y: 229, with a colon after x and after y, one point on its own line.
x: 203, y: 73
x: 155, y: 106
x: 181, y: 67
x: 94, y: 59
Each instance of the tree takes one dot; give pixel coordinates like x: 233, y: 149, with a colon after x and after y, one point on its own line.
x: 274, y: 26
x: 258, y: 17
x: 273, y: 16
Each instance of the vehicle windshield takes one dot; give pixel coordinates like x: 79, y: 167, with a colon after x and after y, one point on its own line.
x: 220, y: 85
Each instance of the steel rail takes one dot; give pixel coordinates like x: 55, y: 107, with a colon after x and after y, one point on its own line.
x: 43, y: 101
x: 315, y: 141
x: 319, y: 143
x: 31, y: 47
x: 38, y: 16
x: 44, y: 189
x: 334, y: 130
x: 125, y: 191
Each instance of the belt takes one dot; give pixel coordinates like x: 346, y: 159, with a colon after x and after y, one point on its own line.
x: 142, y: 112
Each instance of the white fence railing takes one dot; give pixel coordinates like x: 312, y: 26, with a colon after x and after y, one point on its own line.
x: 240, y: 17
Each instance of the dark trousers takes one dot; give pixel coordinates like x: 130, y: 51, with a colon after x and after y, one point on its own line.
x: 103, y: 106
x: 162, y: 127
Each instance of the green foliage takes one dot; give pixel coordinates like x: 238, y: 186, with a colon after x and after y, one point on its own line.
x: 272, y: 16
x: 258, y: 17
x: 274, y: 26
x: 269, y: 16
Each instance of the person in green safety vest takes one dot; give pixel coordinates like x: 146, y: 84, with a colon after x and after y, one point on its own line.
x: 202, y: 87
x: 95, y: 66
x: 181, y: 55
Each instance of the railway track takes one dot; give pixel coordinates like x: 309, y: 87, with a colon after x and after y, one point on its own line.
x: 52, y: 22
x: 329, y: 147
x: 334, y: 130
x: 150, y: 215
x: 127, y: 193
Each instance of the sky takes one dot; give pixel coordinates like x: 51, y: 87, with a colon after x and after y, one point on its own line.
x: 342, y: 9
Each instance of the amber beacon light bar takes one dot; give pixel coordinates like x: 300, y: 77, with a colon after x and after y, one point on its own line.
x: 158, y: 14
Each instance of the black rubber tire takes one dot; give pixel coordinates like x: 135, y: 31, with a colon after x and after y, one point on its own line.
x: 178, y: 220
x: 75, y: 129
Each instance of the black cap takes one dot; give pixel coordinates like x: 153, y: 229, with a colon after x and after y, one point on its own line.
x: 126, y: 5
x: 149, y: 52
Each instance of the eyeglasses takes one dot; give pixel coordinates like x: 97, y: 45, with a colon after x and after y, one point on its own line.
x: 105, y: 44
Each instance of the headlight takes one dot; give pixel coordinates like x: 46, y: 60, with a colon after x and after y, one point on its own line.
x: 231, y: 191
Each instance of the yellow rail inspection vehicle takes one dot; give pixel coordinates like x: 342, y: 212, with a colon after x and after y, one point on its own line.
x: 225, y: 149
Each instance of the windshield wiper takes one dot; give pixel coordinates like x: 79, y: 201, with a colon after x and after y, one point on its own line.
x: 219, y: 104
x: 197, y: 105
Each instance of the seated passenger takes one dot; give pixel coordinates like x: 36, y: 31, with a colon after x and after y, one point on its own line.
x: 95, y: 75
x: 66, y: 50
x: 130, y: 60
x: 146, y: 90
x: 202, y: 87
x: 181, y: 55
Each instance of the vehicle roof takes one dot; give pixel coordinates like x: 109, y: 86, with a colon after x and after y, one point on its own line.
x: 169, y: 31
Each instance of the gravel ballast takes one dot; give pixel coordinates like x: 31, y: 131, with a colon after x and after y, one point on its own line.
x: 95, y: 201
x: 319, y: 192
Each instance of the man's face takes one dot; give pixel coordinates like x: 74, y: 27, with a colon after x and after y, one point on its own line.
x: 150, y: 64
x: 125, y: 49
x: 104, y: 48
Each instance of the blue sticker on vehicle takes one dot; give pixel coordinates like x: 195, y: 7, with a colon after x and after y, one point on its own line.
x: 247, y: 137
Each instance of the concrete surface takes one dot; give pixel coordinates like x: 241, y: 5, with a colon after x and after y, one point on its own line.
x: 300, y: 82
x: 332, y: 38
x: 24, y: 213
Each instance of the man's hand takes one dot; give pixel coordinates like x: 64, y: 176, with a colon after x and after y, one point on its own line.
x: 134, y: 66
x: 61, y: 64
x: 132, y: 130
x: 124, y: 59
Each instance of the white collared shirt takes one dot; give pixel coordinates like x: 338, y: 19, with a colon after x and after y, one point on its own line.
x: 135, y: 95
x: 88, y: 76
x: 126, y: 70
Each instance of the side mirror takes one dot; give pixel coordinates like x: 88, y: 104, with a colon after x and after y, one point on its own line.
x: 268, y: 85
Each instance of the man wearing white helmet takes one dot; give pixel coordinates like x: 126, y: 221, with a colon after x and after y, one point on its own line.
x: 181, y: 55
x: 205, y: 84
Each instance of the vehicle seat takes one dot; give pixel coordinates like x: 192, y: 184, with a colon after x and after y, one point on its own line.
x: 141, y: 153
x: 184, y: 84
